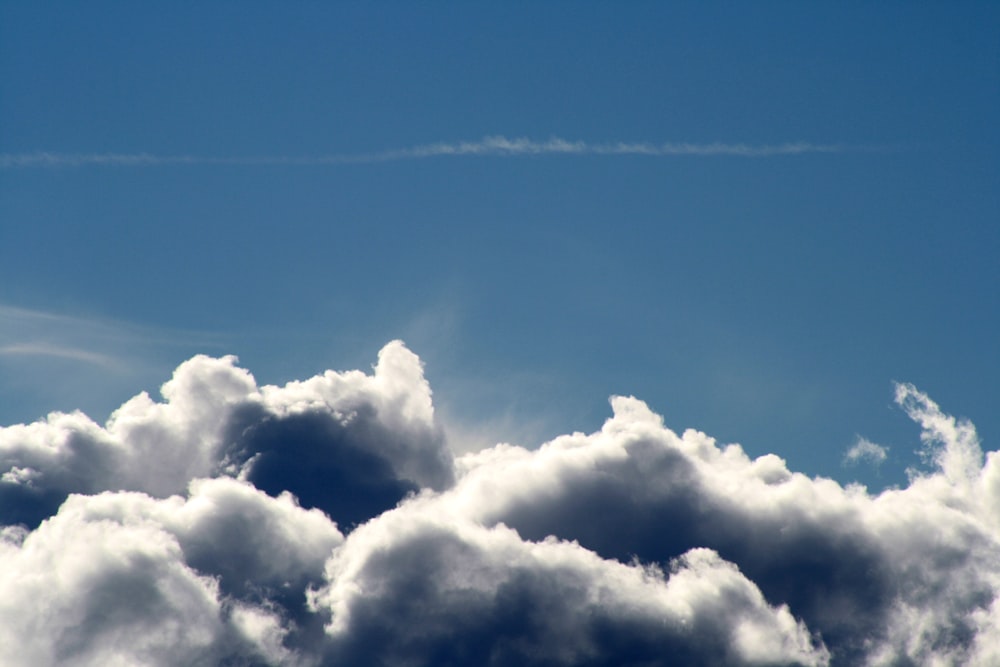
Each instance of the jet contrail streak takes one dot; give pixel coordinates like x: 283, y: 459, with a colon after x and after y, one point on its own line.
x: 492, y: 146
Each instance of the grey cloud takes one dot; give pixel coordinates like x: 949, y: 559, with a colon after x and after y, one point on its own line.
x: 218, y: 577
x: 215, y: 420
x: 99, y: 593
x: 907, y: 574
x: 396, y: 395
x: 209, y: 528
x: 160, y: 476
x: 145, y: 446
x: 45, y: 461
x: 228, y: 529
x: 417, y: 587
x: 637, y: 489
x: 351, y: 444
x: 327, y: 464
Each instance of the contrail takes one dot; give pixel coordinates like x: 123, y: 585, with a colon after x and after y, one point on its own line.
x: 491, y: 146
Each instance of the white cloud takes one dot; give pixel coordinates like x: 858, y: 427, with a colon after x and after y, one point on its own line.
x: 866, y: 450
x: 326, y: 522
x: 950, y: 443
x: 228, y: 529
x: 906, y: 574
x: 416, y: 582
x: 489, y: 146
x: 101, y: 341
x: 97, y: 593
x: 215, y: 419
x: 122, y: 578
x: 49, y: 350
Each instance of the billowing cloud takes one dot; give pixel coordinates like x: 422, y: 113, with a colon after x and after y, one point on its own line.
x: 122, y: 578
x: 327, y: 522
x: 420, y: 582
x: 349, y: 443
x: 906, y: 571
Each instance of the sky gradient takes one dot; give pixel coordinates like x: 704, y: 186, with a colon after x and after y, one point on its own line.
x: 768, y: 296
x: 759, y: 220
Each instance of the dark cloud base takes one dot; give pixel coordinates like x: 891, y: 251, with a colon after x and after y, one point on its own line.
x: 327, y: 522
x: 325, y: 463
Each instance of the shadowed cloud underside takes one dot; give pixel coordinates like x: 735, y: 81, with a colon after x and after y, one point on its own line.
x: 328, y: 522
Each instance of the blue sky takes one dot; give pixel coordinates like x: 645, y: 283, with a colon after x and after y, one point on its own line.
x: 770, y: 300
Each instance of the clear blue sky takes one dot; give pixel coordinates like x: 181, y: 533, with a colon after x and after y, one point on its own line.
x: 770, y: 300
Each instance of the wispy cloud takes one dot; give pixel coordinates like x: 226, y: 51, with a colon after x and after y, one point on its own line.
x: 866, y: 450
x: 60, y: 351
x: 25, y: 331
x: 50, y: 359
x: 490, y: 146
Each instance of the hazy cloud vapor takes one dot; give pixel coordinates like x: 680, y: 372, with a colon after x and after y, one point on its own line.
x: 866, y: 450
x: 327, y: 522
x: 45, y: 350
x: 490, y: 146
x: 50, y: 360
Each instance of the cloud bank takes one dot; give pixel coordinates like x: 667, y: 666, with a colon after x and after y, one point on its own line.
x: 490, y: 146
x: 327, y: 522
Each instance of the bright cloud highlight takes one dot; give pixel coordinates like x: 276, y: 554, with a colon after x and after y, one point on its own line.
x: 329, y: 522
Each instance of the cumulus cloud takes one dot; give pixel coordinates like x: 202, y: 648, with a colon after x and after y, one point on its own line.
x: 122, y: 578
x: 906, y: 574
x: 350, y: 443
x: 327, y: 522
x: 418, y: 582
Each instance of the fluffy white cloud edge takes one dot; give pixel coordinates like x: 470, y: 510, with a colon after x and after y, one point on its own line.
x: 174, y: 534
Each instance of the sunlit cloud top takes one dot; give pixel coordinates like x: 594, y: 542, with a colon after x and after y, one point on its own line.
x: 329, y: 521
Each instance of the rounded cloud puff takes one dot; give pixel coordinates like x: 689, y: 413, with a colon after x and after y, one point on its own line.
x: 327, y: 522
x: 416, y: 582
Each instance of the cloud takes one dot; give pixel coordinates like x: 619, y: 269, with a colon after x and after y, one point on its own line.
x: 50, y: 359
x: 121, y: 578
x: 866, y: 450
x: 350, y: 443
x: 949, y: 443
x: 898, y: 574
x: 418, y: 584
x: 48, y: 350
x: 489, y: 146
x: 36, y: 339
x: 27, y: 332
x: 327, y: 522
